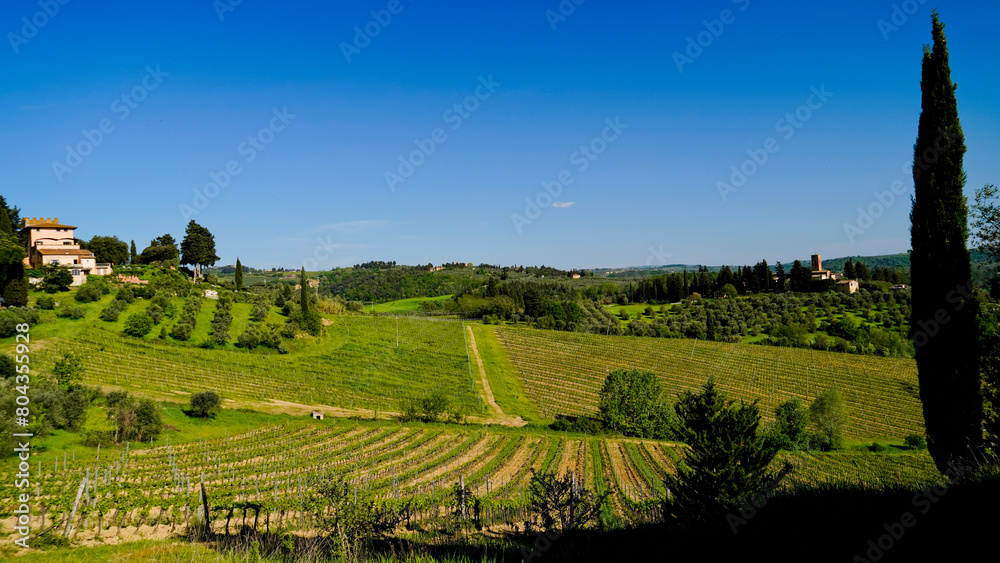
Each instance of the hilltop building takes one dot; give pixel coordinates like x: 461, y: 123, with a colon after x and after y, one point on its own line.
x: 50, y: 242
x: 843, y: 284
x: 818, y: 273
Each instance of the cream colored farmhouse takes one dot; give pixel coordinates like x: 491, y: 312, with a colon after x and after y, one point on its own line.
x: 52, y: 243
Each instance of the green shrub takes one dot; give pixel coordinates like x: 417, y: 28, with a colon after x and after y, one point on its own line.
x: 126, y: 295
x: 115, y: 397
x: 111, y: 312
x: 181, y: 330
x: 581, y: 424
x: 829, y: 415
x: 94, y: 438
x: 87, y: 293
x: 790, y: 426
x: 8, y: 368
x: 70, y: 312
x: 46, y: 302
x: 204, y: 404
x: 877, y: 447
x: 250, y: 338
x: 916, y: 442
x: 138, y: 325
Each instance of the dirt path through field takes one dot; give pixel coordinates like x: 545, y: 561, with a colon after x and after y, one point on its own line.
x: 490, y: 400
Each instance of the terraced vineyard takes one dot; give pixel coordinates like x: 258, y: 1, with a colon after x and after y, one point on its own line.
x: 267, y: 476
x: 364, y: 361
x: 563, y: 372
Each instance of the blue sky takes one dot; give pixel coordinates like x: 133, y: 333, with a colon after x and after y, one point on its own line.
x: 310, y: 117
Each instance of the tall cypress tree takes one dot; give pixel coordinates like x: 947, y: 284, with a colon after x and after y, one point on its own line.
x: 943, y: 323
x: 5, y: 225
x: 133, y: 257
x: 239, y: 274
x: 304, y: 294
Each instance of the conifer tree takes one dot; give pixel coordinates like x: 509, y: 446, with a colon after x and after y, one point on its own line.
x: 133, y: 255
x: 849, y: 272
x: 198, y: 247
x: 726, y: 462
x: 239, y: 274
x: 943, y: 318
x: 5, y: 225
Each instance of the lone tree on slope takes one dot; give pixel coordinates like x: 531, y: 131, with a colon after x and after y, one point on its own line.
x: 198, y: 248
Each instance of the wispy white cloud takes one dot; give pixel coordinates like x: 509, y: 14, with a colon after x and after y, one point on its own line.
x: 354, y: 226
x: 563, y: 204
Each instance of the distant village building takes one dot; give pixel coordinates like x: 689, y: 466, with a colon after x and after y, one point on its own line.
x: 51, y: 243
x: 818, y: 273
x: 847, y: 286
x: 318, y: 415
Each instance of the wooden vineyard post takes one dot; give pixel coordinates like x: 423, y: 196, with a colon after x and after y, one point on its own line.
x: 76, y: 503
x: 204, y: 505
x: 461, y: 498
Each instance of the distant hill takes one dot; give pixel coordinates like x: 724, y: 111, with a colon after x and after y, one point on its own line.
x: 898, y: 260
x: 901, y: 260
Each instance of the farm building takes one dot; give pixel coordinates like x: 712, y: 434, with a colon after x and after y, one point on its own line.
x: 52, y: 243
x: 847, y: 286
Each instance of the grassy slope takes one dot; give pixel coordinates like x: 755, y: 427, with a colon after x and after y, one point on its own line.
x: 406, y: 305
x: 365, y: 370
x: 505, y: 382
x: 566, y: 370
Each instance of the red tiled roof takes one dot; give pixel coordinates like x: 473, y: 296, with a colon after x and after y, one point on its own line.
x: 65, y: 251
x: 45, y: 223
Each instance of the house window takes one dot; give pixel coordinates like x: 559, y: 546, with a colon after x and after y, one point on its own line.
x: 76, y: 272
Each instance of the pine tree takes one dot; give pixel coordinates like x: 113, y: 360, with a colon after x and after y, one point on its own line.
x: 947, y: 351
x: 198, y: 247
x: 310, y: 319
x: 133, y: 256
x: 239, y: 274
x: 5, y: 226
x: 849, y: 270
x: 726, y: 463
